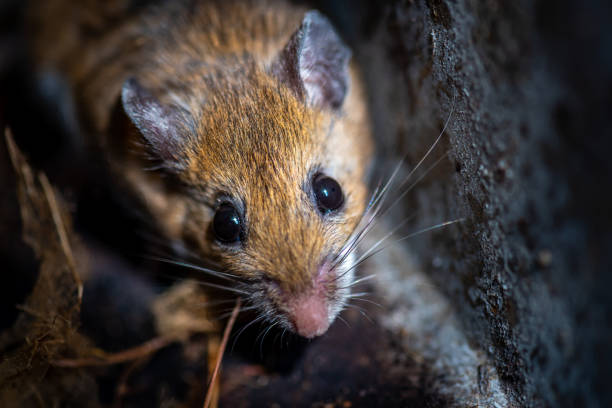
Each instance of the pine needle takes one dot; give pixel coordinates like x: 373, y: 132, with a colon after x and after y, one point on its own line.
x: 226, y: 333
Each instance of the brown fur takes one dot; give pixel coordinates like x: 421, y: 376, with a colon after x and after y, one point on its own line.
x: 254, y: 140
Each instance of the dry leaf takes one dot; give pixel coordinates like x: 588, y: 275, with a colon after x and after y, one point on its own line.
x: 47, y: 326
x: 181, y: 311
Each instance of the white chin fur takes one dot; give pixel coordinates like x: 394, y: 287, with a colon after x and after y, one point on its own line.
x: 345, y: 280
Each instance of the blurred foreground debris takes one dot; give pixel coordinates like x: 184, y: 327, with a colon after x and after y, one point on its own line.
x: 47, y: 326
x: 45, y: 360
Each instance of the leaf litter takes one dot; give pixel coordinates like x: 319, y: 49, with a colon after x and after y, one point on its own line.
x: 44, y: 359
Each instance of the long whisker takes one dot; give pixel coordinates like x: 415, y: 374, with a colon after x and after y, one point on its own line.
x: 374, y: 195
x: 213, y: 303
x: 362, y: 232
x: 377, y: 203
x: 433, y: 227
x: 356, y: 295
x: 374, y: 205
x: 352, y: 240
x: 263, y: 337
x: 377, y: 244
x: 214, y: 285
x: 434, y: 144
x: 414, y: 184
x: 360, y: 310
x: 373, y: 248
x: 369, y: 301
x: 343, y: 321
x: 201, y: 283
x: 229, y: 313
x: 352, y: 243
x: 389, y: 234
x: 282, y: 336
x: 358, y: 281
x: 257, y: 319
x: 383, y: 191
x: 187, y: 265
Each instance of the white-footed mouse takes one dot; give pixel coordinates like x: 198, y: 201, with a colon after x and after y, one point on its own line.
x: 256, y: 113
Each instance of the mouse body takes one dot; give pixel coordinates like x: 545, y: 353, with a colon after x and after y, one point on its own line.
x: 242, y: 128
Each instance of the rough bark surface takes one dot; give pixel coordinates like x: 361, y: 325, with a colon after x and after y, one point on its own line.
x: 529, y: 87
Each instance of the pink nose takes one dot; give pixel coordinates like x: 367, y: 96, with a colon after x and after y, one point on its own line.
x: 309, y: 311
x: 309, y: 315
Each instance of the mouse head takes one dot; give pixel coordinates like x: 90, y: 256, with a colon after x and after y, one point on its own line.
x: 273, y: 157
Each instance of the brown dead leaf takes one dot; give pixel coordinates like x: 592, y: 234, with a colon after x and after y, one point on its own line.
x: 181, y: 311
x: 47, y: 326
x: 44, y: 360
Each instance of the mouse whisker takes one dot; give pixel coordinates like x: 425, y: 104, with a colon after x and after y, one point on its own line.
x: 352, y: 244
x: 168, y: 251
x: 374, y: 195
x: 368, y: 301
x: 383, y: 191
x: 380, y: 194
x: 361, y: 311
x: 265, y: 332
x: 358, y: 294
x: 373, y: 205
x: 431, y: 228
x: 358, y: 281
x: 377, y: 214
x: 282, y: 336
x: 165, y: 275
x: 414, y: 184
x: 221, y: 287
x: 369, y: 250
x: 405, y: 237
x: 219, y: 274
x: 361, y: 231
x: 213, y: 303
x: 433, y: 145
x: 343, y: 321
x: 351, y: 306
x: 227, y: 313
x: 387, y: 236
x: 278, y: 334
x: 381, y: 241
x: 199, y: 282
x: 257, y: 319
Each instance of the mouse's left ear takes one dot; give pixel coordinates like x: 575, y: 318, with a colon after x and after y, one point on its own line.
x: 162, y: 126
x: 314, y: 63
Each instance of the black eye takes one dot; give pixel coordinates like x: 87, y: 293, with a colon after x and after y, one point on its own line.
x: 227, y: 224
x: 328, y: 193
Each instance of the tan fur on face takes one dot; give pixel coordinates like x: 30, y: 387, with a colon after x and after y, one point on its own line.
x: 247, y: 137
x: 259, y: 145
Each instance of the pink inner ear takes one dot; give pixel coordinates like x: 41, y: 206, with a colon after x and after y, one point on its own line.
x: 314, y: 63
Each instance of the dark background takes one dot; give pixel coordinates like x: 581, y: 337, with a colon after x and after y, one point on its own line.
x: 529, y: 84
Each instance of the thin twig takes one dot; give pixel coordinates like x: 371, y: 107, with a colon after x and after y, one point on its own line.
x: 130, y: 354
x: 61, y: 232
x: 226, y: 333
x: 121, y: 390
x: 20, y: 166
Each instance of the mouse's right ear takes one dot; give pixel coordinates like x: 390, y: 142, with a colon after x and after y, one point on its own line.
x: 314, y: 63
x: 163, y: 127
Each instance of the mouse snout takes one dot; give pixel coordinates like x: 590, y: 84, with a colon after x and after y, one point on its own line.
x: 309, y: 311
x: 309, y: 315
